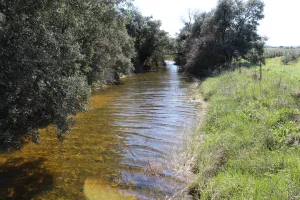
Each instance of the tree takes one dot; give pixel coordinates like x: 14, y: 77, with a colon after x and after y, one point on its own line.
x: 51, y: 52
x: 216, y: 36
x: 104, y: 41
x: 150, y: 42
x: 40, y: 82
x: 256, y: 55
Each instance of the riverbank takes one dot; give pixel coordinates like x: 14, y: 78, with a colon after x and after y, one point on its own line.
x: 248, y: 145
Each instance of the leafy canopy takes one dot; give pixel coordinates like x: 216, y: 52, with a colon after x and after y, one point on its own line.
x: 215, y: 37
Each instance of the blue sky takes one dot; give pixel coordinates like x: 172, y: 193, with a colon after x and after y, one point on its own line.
x: 281, y: 23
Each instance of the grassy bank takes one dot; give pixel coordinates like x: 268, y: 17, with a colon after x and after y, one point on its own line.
x: 249, y: 147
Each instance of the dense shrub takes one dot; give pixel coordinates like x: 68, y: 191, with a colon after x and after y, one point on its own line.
x: 256, y: 55
x: 53, y: 51
x: 214, y: 38
x: 273, y: 52
x: 278, y: 52
x: 151, y: 43
x: 40, y: 81
x: 290, y: 56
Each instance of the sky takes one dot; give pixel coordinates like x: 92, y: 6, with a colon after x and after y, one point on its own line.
x: 281, y: 23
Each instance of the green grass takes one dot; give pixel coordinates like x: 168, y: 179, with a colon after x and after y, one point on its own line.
x: 292, y: 69
x: 251, y: 134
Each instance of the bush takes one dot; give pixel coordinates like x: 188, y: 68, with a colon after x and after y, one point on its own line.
x: 289, y: 56
x: 215, y: 38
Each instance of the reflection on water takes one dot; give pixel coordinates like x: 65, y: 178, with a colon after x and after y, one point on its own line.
x: 120, y: 149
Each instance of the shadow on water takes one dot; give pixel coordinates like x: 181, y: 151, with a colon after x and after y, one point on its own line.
x: 120, y: 149
x: 20, y: 179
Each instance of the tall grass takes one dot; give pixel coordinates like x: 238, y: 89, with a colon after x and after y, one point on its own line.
x: 250, y: 148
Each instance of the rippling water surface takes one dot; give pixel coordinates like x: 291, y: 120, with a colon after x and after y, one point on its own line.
x: 120, y: 149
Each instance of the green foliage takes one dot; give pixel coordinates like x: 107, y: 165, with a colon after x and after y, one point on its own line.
x: 250, y: 147
x: 278, y: 52
x: 151, y: 43
x: 54, y: 51
x: 105, y: 44
x: 39, y: 78
x: 287, y: 55
x: 256, y: 55
x: 273, y: 52
x: 51, y: 53
x: 214, y: 38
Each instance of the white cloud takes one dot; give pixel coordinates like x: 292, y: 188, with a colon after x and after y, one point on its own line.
x: 280, y: 23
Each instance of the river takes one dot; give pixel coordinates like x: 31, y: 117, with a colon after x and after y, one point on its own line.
x: 123, y: 148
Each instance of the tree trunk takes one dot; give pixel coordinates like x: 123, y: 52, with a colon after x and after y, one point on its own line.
x: 260, y: 72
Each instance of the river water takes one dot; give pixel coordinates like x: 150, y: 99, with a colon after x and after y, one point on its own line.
x: 123, y: 148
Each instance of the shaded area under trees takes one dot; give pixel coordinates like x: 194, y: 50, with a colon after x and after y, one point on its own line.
x: 24, y: 180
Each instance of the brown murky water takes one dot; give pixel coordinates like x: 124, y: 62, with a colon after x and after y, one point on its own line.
x: 121, y: 149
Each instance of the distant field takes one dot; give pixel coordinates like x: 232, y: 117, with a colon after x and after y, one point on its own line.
x: 277, y: 52
x: 287, y: 54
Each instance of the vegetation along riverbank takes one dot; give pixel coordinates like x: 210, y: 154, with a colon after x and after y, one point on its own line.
x: 249, y: 146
